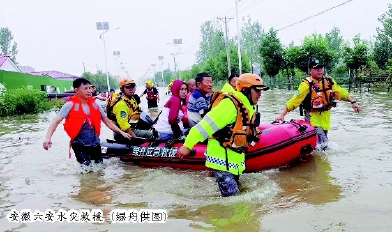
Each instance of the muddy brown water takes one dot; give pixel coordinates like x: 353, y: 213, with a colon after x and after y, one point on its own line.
x: 347, y: 188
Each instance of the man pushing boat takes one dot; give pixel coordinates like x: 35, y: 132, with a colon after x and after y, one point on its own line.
x: 230, y: 126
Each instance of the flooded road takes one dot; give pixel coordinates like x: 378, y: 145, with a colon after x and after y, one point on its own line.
x: 347, y: 188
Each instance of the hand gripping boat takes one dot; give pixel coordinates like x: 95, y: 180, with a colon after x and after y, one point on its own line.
x: 279, y: 145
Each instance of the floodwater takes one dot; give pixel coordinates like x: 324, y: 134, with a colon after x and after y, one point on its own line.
x: 347, y: 188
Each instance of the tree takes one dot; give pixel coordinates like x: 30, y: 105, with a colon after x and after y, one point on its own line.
x: 212, y: 41
x: 272, y: 53
x: 358, y: 55
x: 7, y: 46
x: 252, y: 34
x: 99, y: 80
x: 335, y: 42
x: 315, y: 46
x: 383, y: 44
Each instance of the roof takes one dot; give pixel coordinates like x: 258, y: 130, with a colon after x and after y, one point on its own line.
x: 3, y: 59
x: 53, y: 74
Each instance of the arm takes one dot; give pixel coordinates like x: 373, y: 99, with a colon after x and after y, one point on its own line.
x: 121, y: 111
x: 144, y: 92
x: 174, y: 104
x: 345, y: 95
x: 295, y: 101
x: 222, y: 115
x: 156, y: 92
x: 48, y: 140
x: 114, y: 128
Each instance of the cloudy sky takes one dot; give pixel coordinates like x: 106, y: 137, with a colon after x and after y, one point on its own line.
x: 61, y: 34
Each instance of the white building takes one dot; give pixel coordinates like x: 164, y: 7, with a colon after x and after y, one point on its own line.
x: 7, y: 64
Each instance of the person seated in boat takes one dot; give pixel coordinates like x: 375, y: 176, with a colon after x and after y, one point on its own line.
x: 232, y: 80
x: 230, y: 126
x: 125, y: 111
x: 152, y: 95
x: 83, y: 124
x: 200, y: 98
x: 169, y: 124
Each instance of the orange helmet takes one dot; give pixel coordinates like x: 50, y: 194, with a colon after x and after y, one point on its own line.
x: 126, y: 81
x: 248, y: 80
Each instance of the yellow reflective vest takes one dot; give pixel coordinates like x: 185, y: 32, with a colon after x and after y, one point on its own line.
x: 218, y: 157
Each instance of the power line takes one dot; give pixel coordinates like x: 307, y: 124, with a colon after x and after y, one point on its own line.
x: 322, y: 12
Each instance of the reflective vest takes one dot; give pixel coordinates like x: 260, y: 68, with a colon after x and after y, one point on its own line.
x: 132, y: 104
x: 151, y: 95
x: 321, y: 96
x: 76, y: 118
x: 243, y: 131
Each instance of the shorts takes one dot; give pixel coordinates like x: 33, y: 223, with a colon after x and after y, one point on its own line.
x: 85, y: 154
x: 227, y: 182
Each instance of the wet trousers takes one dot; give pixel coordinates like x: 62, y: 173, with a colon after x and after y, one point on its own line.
x: 85, y: 154
x: 228, y: 183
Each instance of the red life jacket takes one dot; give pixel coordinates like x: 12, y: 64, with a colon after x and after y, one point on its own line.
x: 76, y: 118
x: 151, y: 95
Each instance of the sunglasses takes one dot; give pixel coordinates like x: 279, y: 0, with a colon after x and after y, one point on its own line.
x: 130, y: 86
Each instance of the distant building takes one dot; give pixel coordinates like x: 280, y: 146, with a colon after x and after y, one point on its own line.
x: 7, y: 64
x: 55, y: 75
x: 26, y: 69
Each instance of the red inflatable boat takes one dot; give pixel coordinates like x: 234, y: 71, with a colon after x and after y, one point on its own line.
x: 279, y: 145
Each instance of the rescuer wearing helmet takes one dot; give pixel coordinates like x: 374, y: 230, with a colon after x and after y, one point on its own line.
x: 125, y: 111
x: 230, y: 126
x: 152, y: 95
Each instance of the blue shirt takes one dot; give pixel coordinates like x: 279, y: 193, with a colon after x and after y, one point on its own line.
x: 197, y: 105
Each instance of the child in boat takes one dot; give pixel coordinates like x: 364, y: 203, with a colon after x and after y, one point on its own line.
x: 170, y: 123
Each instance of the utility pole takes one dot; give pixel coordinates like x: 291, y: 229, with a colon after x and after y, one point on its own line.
x: 227, y: 45
x: 238, y: 38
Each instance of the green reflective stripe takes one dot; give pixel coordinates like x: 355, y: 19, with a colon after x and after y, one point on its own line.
x: 202, y: 131
x: 211, y: 122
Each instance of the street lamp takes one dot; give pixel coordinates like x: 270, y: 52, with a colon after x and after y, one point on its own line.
x: 117, y: 55
x: 153, y: 74
x: 160, y: 58
x: 238, y: 39
x: 104, y: 26
x: 177, y: 42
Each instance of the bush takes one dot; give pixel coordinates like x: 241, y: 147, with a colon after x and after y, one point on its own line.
x: 24, y: 101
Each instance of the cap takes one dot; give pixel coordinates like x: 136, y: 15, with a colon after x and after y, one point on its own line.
x: 315, y: 64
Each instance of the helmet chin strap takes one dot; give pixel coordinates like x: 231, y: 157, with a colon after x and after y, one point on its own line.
x: 248, y: 94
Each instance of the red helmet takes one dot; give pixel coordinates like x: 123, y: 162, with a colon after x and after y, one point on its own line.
x: 248, y: 80
x: 126, y: 81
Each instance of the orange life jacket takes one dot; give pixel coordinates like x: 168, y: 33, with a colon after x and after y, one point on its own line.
x: 151, y: 95
x: 321, y: 96
x: 243, y: 131
x: 76, y: 118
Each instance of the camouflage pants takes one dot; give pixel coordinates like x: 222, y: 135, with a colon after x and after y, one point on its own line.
x: 227, y: 182
x: 322, y: 136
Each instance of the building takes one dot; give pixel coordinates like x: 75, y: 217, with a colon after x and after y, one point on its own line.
x: 7, y: 64
x: 55, y: 75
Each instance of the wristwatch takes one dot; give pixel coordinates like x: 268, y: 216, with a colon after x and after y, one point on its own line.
x: 353, y: 102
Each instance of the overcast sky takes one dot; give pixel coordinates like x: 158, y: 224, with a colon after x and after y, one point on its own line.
x: 61, y: 35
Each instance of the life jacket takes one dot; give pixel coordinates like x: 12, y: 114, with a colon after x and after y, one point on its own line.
x: 320, y: 98
x: 151, y: 95
x: 132, y: 103
x: 239, y: 134
x: 76, y: 118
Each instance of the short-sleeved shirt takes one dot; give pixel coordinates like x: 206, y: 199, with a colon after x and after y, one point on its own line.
x: 318, y: 119
x: 87, y: 136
